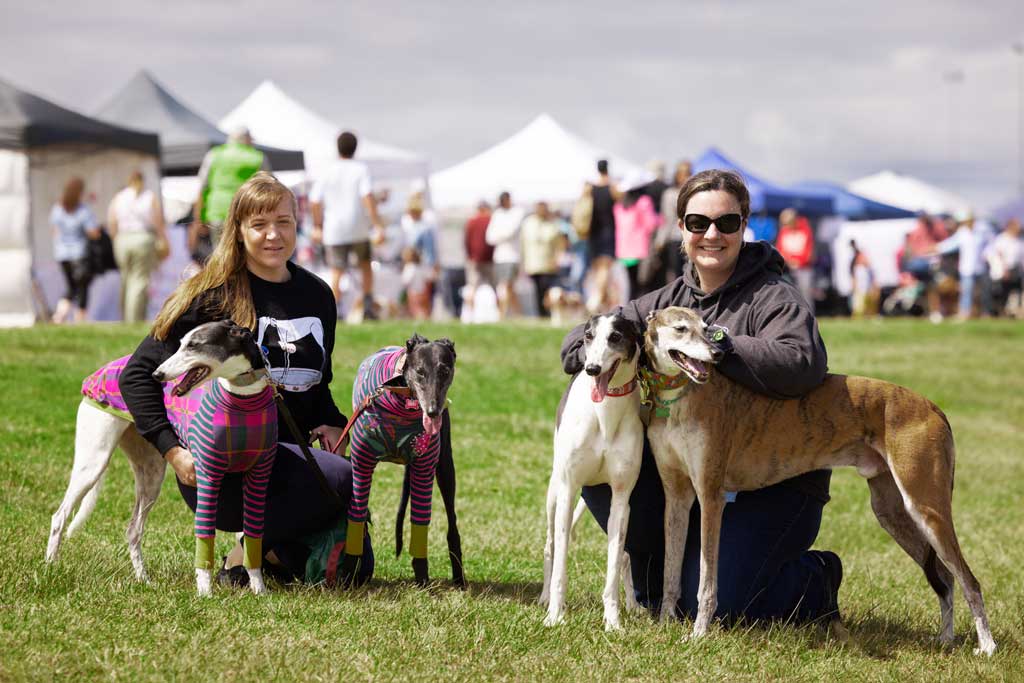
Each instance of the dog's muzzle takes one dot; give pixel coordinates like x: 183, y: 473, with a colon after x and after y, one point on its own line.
x: 593, y: 370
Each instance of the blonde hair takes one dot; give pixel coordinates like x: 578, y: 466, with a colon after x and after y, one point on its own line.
x: 224, y: 274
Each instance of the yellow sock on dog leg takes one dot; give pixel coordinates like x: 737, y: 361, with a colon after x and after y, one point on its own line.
x: 253, y: 553
x: 418, y: 541
x: 354, y: 538
x: 204, y: 552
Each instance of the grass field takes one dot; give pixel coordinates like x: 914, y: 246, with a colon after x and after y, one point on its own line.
x: 87, y: 619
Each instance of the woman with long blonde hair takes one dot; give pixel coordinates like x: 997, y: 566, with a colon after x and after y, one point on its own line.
x: 250, y: 280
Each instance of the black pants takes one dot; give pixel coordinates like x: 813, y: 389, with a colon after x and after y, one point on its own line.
x: 542, y: 282
x: 765, y: 570
x: 77, y: 277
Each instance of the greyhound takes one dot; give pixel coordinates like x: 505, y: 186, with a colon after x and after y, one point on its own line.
x: 218, y: 350
x: 398, y: 400
x: 714, y: 440
x: 598, y: 439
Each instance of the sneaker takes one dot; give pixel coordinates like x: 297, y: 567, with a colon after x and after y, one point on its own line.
x: 833, y: 577
x: 236, y: 576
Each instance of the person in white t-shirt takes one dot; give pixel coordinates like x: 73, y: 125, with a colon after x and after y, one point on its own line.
x: 503, y: 235
x: 344, y: 208
x: 135, y: 222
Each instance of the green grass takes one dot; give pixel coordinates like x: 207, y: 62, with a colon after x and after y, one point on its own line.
x: 87, y: 619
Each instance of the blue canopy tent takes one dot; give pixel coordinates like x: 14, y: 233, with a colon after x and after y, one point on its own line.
x: 853, y: 206
x: 764, y: 196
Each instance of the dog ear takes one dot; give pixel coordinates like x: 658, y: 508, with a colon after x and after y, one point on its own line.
x: 414, y: 341
x: 446, y: 342
x: 650, y: 317
x: 236, y: 330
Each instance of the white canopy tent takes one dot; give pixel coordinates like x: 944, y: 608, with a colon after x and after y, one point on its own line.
x: 543, y: 161
x: 908, y: 193
x: 276, y: 119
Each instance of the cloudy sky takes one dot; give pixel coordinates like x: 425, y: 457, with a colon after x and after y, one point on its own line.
x: 795, y: 90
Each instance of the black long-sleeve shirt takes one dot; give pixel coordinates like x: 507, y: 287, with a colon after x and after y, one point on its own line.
x: 777, y: 350
x: 296, y: 324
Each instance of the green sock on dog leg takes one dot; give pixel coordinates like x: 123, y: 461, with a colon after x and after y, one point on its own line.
x: 253, y: 553
x: 418, y: 542
x: 204, y: 552
x: 354, y: 538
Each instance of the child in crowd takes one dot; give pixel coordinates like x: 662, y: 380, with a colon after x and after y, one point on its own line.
x: 416, y: 278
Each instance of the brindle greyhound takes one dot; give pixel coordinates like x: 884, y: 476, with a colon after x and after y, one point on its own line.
x: 714, y: 440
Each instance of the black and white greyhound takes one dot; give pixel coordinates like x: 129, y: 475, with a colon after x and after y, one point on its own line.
x: 598, y: 440
x: 220, y: 351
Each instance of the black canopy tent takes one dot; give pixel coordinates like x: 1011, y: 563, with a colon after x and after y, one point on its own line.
x: 185, y: 136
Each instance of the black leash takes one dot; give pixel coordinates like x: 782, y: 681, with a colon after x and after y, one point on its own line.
x: 294, y: 429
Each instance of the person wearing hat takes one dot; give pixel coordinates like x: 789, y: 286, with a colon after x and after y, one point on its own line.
x: 635, y: 222
x: 225, y: 168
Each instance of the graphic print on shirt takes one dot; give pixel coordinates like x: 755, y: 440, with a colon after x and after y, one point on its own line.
x: 295, y: 350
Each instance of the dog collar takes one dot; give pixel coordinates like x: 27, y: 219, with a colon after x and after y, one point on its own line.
x: 656, y: 381
x: 626, y: 389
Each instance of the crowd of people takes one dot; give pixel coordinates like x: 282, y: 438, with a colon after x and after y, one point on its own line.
x: 954, y: 267
x: 619, y: 240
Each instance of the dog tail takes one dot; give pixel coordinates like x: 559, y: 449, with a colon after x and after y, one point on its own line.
x: 402, y: 505
x: 87, y: 506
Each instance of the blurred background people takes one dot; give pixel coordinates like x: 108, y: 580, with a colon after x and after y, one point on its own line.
x: 635, y: 223
x: 417, y: 281
x: 74, y: 224
x: 542, y: 239
x: 795, y: 242
x: 344, y: 207
x: 503, y: 235
x: 1005, y: 257
x: 224, y: 169
x: 864, y: 296
x: 601, y: 239
x: 479, y: 254
x: 670, y: 237
x: 969, y: 244
x: 135, y: 221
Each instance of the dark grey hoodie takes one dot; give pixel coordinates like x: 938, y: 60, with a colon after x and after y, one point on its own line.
x: 776, y: 348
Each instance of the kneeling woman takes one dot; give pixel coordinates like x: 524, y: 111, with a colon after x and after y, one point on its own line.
x: 771, y: 346
x: 292, y: 313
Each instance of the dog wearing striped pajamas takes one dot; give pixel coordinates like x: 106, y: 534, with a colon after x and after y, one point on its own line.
x: 228, y: 425
x: 398, y: 400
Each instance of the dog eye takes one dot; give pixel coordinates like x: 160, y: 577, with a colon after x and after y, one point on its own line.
x: 614, y: 336
x: 589, y: 336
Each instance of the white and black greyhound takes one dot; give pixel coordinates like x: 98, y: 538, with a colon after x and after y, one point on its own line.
x: 220, y: 351
x: 598, y: 440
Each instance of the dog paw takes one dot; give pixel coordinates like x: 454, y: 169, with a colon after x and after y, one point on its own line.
x: 204, y: 581
x: 612, y: 623
x: 256, y: 584
x: 554, y: 620
x: 987, y: 649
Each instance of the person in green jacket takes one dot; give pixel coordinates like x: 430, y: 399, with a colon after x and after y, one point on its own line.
x: 224, y: 169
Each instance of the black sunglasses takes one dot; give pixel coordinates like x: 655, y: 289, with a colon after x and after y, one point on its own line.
x: 727, y: 224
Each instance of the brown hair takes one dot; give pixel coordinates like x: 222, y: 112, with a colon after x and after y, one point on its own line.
x: 714, y: 179
x: 225, y: 269
x: 71, y: 198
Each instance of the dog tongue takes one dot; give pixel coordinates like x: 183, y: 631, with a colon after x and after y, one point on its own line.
x: 600, y: 389
x: 431, y: 425
x: 183, y: 386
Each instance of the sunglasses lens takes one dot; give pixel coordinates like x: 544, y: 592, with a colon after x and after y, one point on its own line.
x: 728, y: 223
x: 695, y: 222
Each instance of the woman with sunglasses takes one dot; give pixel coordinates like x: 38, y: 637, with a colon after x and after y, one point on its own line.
x: 772, y: 346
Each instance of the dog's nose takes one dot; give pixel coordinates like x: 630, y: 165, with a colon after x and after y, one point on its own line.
x: 158, y: 376
x: 433, y: 411
x: 593, y: 370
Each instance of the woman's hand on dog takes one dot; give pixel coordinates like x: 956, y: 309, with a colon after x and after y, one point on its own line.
x: 329, y: 437
x: 184, y: 467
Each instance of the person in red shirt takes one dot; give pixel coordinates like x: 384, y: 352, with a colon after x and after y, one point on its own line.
x: 796, y: 244
x: 479, y: 254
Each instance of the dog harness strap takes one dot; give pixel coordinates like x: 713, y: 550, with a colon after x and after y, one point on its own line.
x: 418, y: 540
x: 310, y: 460
x: 253, y: 553
x: 204, y: 552
x: 354, y: 538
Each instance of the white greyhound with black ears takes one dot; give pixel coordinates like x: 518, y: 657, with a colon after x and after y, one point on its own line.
x: 598, y: 440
